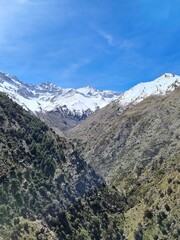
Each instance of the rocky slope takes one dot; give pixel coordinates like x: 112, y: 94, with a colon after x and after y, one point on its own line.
x: 137, y: 149
x: 116, y: 142
x: 66, y: 105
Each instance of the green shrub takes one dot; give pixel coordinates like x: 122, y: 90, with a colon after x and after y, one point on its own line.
x: 148, y: 214
x: 169, y: 191
x: 168, y: 209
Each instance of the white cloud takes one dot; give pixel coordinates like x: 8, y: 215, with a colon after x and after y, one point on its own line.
x: 120, y: 43
x: 111, y: 40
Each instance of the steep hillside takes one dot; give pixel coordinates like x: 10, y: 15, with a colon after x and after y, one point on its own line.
x: 153, y: 200
x: 46, y: 190
x: 117, y: 142
x: 138, y: 152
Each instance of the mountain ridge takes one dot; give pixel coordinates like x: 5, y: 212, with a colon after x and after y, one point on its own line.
x: 60, y: 108
x: 160, y: 86
x: 113, y: 140
x: 64, y: 108
x: 48, y: 96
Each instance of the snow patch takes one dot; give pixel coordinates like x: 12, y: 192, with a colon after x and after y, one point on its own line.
x: 47, y: 96
x: 160, y: 86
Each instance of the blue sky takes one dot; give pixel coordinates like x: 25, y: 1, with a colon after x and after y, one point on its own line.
x: 107, y: 44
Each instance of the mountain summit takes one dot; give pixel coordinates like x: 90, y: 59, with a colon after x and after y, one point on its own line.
x: 48, y: 97
x: 160, y: 86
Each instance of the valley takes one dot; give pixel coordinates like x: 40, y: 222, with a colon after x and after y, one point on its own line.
x: 101, y: 165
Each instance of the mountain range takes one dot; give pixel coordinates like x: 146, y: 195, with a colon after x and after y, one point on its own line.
x: 67, y: 103
x: 64, y: 108
x: 113, y: 175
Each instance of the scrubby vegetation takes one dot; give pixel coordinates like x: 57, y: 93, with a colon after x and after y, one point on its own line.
x: 46, y: 190
x: 116, y: 140
x: 137, y: 150
x: 153, y: 201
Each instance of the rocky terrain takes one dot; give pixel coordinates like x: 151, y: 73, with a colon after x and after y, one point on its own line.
x: 137, y: 151
x: 116, y: 141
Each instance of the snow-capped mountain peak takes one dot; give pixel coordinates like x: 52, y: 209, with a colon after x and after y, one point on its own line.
x: 160, y: 86
x: 48, y: 97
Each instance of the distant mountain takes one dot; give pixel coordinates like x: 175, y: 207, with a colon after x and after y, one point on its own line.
x: 71, y: 104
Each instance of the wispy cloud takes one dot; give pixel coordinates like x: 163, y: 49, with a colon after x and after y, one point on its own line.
x: 116, y: 42
x: 73, y: 68
x: 110, y: 39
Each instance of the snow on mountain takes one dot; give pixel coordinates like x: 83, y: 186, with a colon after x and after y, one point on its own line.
x: 160, y: 86
x: 48, y: 97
